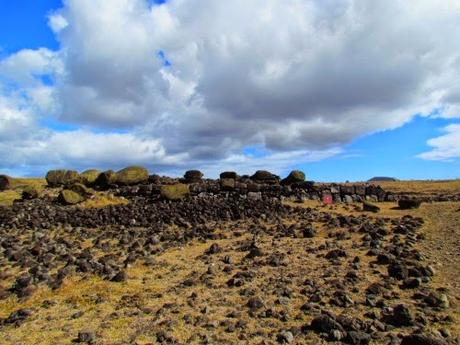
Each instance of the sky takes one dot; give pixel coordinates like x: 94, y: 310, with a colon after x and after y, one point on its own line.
x: 341, y: 89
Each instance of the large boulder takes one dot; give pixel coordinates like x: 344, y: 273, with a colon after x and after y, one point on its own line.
x: 408, y: 204
x: 57, y: 178
x: 69, y: 197
x: 420, y: 339
x: 193, y: 176
x: 370, y: 207
x: 89, y: 177
x: 263, y: 176
x: 227, y: 184
x: 80, y: 189
x: 131, y: 176
x: 295, y: 176
x: 176, y: 191
x: 105, y: 179
x: 5, y: 182
x: 229, y: 174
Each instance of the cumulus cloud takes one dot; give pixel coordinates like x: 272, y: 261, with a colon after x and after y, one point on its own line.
x: 202, y: 80
x: 445, y: 147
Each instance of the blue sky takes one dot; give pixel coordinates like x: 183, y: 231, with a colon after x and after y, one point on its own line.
x: 398, y: 144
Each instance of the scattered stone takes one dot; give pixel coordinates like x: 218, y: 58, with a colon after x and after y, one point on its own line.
x: 408, y: 204
x: 120, y: 277
x: 419, y: 339
x: 86, y: 337
x: 401, y: 316
x: 285, y: 337
x: 325, y: 324
x: 369, y: 207
x: 30, y: 193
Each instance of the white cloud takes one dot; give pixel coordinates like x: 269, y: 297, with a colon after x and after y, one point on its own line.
x: 445, y: 147
x: 294, y: 76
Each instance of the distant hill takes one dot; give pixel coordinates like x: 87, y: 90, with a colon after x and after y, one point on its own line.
x: 382, y: 178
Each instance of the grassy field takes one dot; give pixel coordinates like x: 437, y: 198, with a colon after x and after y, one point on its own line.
x: 7, y: 197
x: 423, y: 187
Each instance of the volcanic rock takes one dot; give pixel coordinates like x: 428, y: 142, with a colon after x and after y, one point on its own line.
x: 5, y: 182
x: 89, y: 177
x: 227, y: 184
x: 57, y: 178
x: 131, y: 176
x: 105, y: 180
x: 193, y: 176
x: 419, y: 339
x: 295, y: 176
x: 325, y: 324
x: 229, y: 174
x: 29, y: 193
x: 369, y: 207
x: 68, y: 197
x: 407, y: 204
x: 176, y: 191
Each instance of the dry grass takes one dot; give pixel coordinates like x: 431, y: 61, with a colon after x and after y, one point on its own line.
x: 7, y: 197
x: 99, y: 200
x: 424, y: 187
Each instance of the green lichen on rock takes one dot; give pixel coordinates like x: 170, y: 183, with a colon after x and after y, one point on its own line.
x: 80, y: 189
x: 370, y: 207
x: 131, y: 176
x: 105, y: 179
x: 227, y: 184
x: 57, y: 178
x: 176, y: 191
x: 89, y: 177
x: 69, y: 197
x: 295, y: 176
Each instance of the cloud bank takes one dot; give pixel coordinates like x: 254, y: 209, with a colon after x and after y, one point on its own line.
x: 193, y: 83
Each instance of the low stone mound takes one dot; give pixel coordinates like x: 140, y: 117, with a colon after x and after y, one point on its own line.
x: 89, y: 177
x: 193, y: 176
x: 174, y: 192
x: 5, y: 182
x: 295, y: 176
x: 58, y: 178
x: 131, y: 176
x: 408, y: 204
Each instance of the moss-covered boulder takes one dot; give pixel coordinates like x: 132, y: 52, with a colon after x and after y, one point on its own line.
x: 193, y: 176
x: 105, y: 179
x: 131, y: 176
x: 176, y: 191
x: 370, y: 207
x: 57, y: 178
x: 408, y: 204
x: 69, y: 197
x: 30, y: 192
x: 229, y: 174
x: 80, y: 189
x: 5, y: 182
x: 89, y: 177
x: 265, y: 177
x: 295, y: 176
x: 227, y: 184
